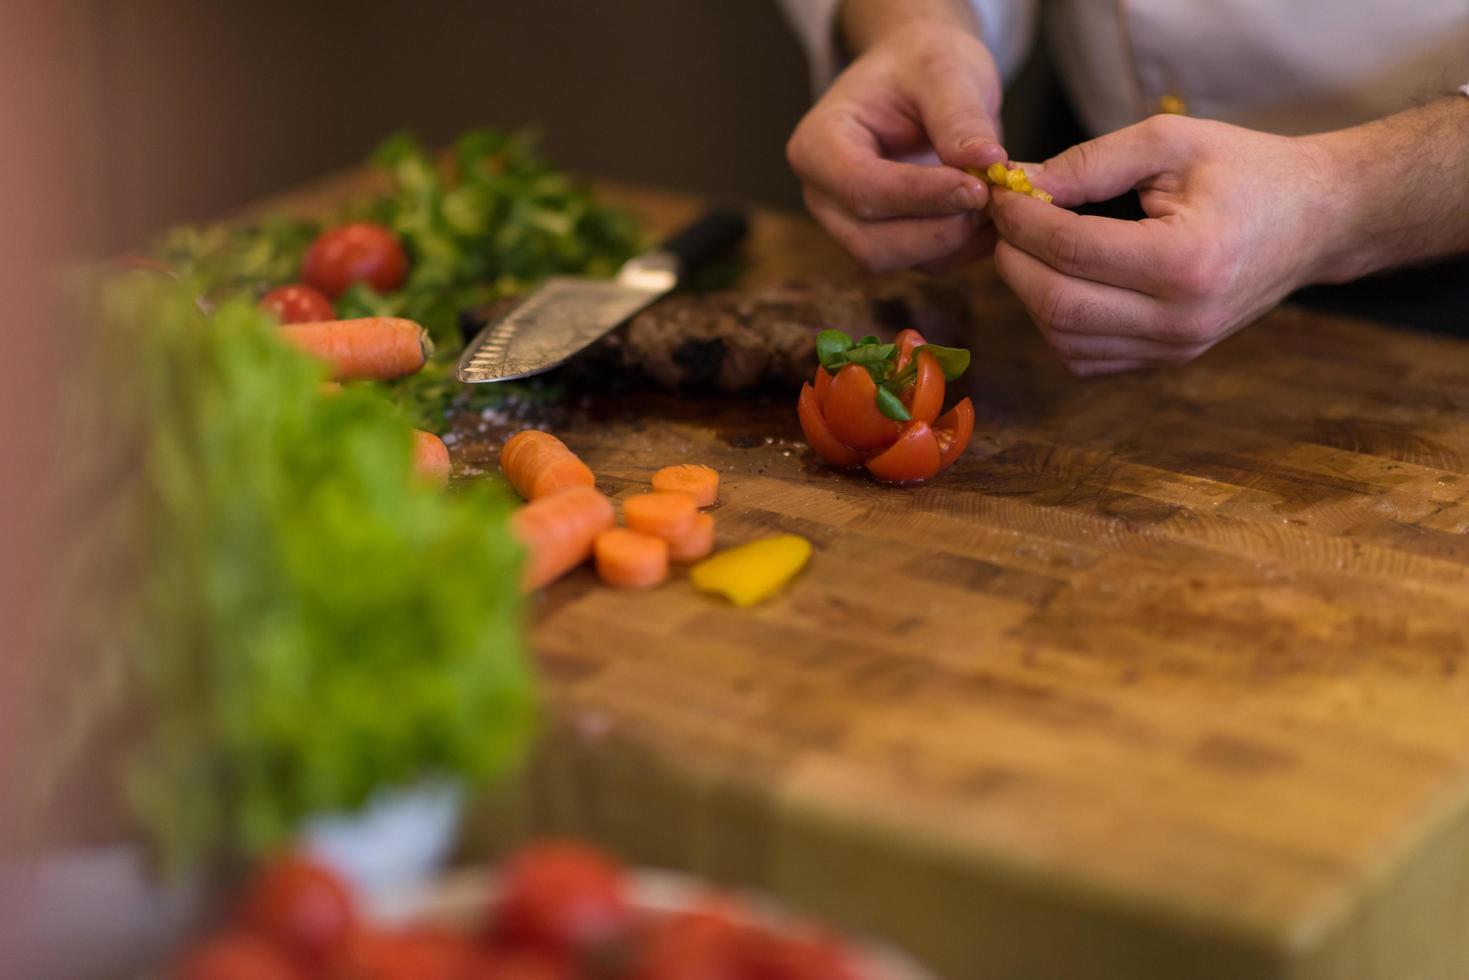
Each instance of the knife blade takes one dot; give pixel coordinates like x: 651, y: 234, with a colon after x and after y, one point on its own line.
x: 567, y: 314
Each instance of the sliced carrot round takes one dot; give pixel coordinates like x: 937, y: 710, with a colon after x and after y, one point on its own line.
x: 913, y: 458
x: 818, y: 436
x: 631, y: 560
x: 953, y: 432
x: 431, y: 457
x: 696, y: 543
x: 665, y: 514
x: 699, y: 482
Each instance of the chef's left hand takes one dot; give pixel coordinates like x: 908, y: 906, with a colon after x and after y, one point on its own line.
x: 1229, y: 233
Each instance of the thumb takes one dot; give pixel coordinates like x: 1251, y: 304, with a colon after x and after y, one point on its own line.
x: 1110, y: 165
x: 960, y: 112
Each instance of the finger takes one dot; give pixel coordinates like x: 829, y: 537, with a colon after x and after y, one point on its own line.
x: 839, y: 156
x: 1063, y: 304
x: 1085, y: 369
x: 980, y: 246
x: 1099, y: 347
x: 958, y: 98
x: 1136, y: 255
x: 897, y: 243
x: 1113, y: 164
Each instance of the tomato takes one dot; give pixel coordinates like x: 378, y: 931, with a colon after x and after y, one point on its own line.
x: 417, y: 954
x: 926, y: 398
x: 914, y: 457
x: 361, y: 252
x: 851, y: 413
x: 782, y: 958
x: 820, y: 383
x: 560, y: 895
x: 907, y: 340
x: 818, y: 435
x: 301, y: 906
x: 953, y: 432
x: 297, y: 303
x: 518, y: 964
x: 237, y: 956
x: 697, y: 945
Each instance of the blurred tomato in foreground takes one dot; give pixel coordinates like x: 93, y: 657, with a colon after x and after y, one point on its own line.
x: 298, y: 304
x: 237, y: 956
x: 302, y: 907
x: 560, y: 896
x: 414, y: 954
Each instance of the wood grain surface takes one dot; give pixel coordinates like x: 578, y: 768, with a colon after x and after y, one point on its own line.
x: 1165, y: 678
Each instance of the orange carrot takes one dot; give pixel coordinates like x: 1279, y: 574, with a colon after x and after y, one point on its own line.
x: 537, y: 463
x: 666, y: 514
x: 431, y: 457
x: 696, y: 543
x: 699, y: 482
x: 630, y: 560
x: 370, y: 348
x: 558, y: 531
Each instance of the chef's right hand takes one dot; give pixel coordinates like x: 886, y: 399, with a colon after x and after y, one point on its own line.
x: 925, y: 88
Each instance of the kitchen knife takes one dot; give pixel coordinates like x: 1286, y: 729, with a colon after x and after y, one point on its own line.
x: 566, y: 314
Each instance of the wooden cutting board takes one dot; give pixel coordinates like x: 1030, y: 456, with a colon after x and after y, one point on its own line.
x: 1166, y: 678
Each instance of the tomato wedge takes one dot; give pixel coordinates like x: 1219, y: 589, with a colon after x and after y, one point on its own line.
x: 851, y: 413
x: 906, y: 341
x: 926, y: 398
x: 913, y: 458
x: 820, y: 383
x: 818, y: 436
x: 953, y: 431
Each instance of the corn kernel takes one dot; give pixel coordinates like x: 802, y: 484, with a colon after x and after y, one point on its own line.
x: 1015, y: 180
x: 997, y: 174
x: 1040, y: 195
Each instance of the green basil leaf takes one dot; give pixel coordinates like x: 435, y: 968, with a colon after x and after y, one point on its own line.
x: 868, y: 341
x: 892, y: 406
x: 954, y: 361
x: 871, y: 354
x: 831, y: 349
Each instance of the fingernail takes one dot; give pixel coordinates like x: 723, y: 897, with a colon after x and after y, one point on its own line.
x: 988, y: 151
x: 968, y: 197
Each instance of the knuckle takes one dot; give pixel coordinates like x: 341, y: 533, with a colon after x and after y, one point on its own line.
x: 860, y: 203
x: 1064, y: 249
x: 1055, y: 313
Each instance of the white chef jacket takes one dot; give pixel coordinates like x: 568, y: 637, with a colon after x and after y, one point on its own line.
x: 1283, y: 66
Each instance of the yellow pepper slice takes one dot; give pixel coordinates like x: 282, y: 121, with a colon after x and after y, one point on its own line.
x: 752, y: 572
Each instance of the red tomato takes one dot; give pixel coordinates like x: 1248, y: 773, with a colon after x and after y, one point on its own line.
x: 926, y: 398
x: 851, y: 413
x: 701, y: 945
x: 417, y: 954
x: 237, y: 956
x: 820, y: 383
x: 361, y: 252
x: 914, y: 457
x: 818, y: 435
x: 906, y: 341
x: 784, y: 958
x: 301, y: 906
x: 298, y: 304
x: 953, y: 432
x: 518, y: 964
x: 560, y: 896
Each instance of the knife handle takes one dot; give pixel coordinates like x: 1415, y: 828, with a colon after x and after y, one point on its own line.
x: 705, y: 239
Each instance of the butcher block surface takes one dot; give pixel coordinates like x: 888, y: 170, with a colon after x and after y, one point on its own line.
x: 1166, y: 677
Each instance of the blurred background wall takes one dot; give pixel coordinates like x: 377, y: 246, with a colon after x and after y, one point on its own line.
x: 199, y: 107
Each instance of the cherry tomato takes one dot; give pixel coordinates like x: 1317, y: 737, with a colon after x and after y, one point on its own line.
x: 953, y: 432
x: 851, y: 413
x: 561, y: 895
x: 907, y: 340
x: 697, y: 945
x: 418, y: 954
x: 361, y: 252
x: 518, y: 964
x: 926, y: 398
x: 302, y: 907
x: 820, y: 383
x: 237, y: 956
x: 914, y: 457
x: 818, y: 436
x: 298, y: 303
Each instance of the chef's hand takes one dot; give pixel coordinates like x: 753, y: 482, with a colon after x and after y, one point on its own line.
x: 925, y: 86
x: 1231, y: 230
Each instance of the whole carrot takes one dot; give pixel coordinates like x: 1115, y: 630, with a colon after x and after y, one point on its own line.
x: 431, y: 457
x: 537, y: 463
x: 372, y: 348
x: 558, y: 531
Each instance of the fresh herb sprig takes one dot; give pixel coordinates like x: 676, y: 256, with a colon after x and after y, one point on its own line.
x: 836, y: 349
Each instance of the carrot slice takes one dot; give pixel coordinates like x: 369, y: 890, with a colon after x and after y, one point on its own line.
x: 558, y: 531
x: 697, y: 542
x: 665, y: 514
x: 537, y: 463
x: 431, y: 457
x: 370, y: 348
x: 630, y: 560
x: 699, y: 482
